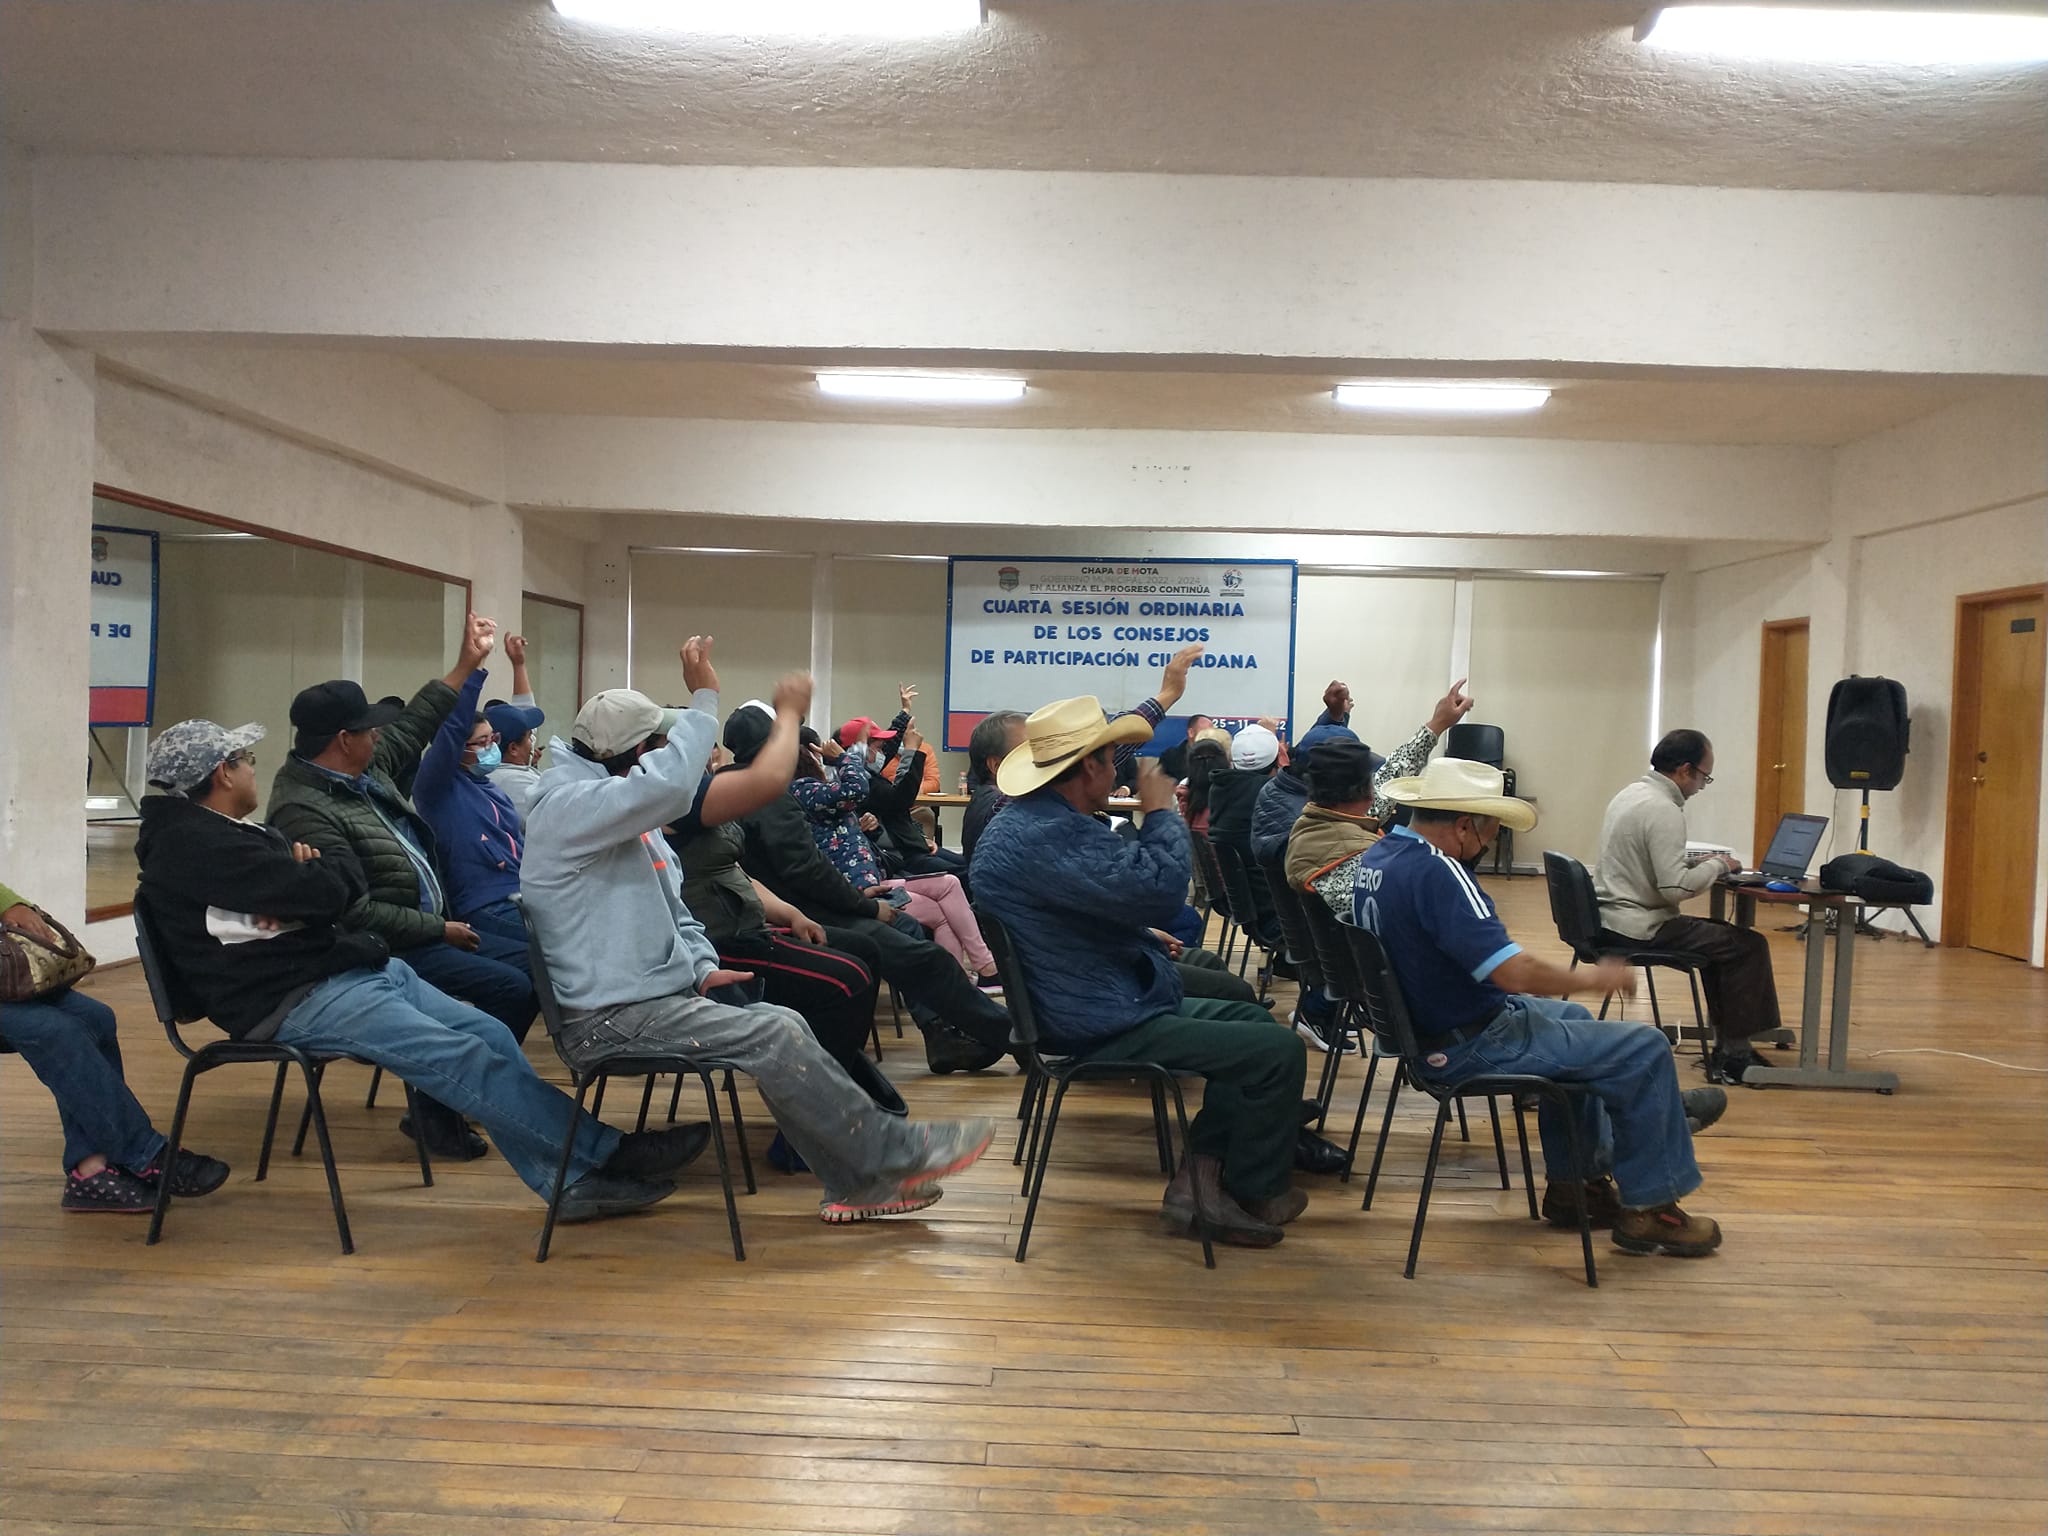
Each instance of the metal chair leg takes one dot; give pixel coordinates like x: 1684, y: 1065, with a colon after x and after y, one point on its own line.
x: 270, y: 1124
x: 1037, y: 1127
x: 171, y: 1145
x: 1372, y: 1180
x: 1464, y: 1130
x: 739, y: 1131
x: 1528, y: 1173
x: 319, y: 1070
x: 314, y: 1071
x: 646, y: 1102
x: 896, y: 1010
x: 376, y: 1077
x: 597, y: 1102
x: 419, y: 1143
x: 675, y: 1099
x: 1581, y: 1167
x: 1372, y: 1067
x: 1159, y: 1131
x: 1699, y: 1013
x: 1500, y: 1151
x: 732, y: 1210
x: 1040, y: 1157
x: 1436, y: 1147
x: 1030, y: 1081
x: 547, y: 1227
x: 1180, y: 1112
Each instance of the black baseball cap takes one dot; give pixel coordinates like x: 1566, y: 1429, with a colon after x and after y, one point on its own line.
x: 1339, y: 766
x: 746, y: 731
x: 325, y: 709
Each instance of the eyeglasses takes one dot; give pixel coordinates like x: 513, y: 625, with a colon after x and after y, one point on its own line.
x: 1704, y: 778
x: 236, y: 759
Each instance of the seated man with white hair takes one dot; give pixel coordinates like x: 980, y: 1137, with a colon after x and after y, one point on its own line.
x: 636, y: 975
x: 1482, y: 1005
x: 1079, y: 904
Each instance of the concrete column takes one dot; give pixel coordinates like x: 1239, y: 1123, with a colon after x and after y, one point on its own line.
x: 46, y: 468
x: 821, y: 641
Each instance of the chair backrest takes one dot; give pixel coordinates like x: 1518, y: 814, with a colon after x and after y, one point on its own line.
x: 1333, y: 955
x: 1385, y: 1007
x: 1573, y: 906
x: 164, y: 989
x: 543, y: 983
x: 1237, y: 880
x: 1287, y: 902
x: 1212, y: 875
x: 1016, y: 993
x: 1476, y: 743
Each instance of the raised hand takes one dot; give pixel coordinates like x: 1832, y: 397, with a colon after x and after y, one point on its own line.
x: 793, y: 694
x: 1451, y: 708
x: 1337, y: 699
x: 906, y: 695
x: 698, y: 673
x: 1175, y: 683
x: 479, y: 635
x: 911, y: 740
x: 515, y: 650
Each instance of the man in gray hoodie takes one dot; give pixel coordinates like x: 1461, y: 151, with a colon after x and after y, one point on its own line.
x: 636, y: 975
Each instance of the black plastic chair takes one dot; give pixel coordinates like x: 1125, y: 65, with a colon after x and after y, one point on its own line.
x: 1576, y: 910
x: 1388, y: 1011
x: 174, y: 1008
x: 1057, y: 1074
x: 1235, y: 867
x: 1292, y: 908
x: 649, y: 1066
x: 1219, y: 895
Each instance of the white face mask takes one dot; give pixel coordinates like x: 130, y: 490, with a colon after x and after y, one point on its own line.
x: 876, y: 757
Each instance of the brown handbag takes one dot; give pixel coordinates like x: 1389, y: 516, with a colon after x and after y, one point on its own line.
x: 31, y: 968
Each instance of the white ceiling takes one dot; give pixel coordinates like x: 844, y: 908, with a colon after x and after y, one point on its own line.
x: 1667, y: 406
x: 1535, y: 89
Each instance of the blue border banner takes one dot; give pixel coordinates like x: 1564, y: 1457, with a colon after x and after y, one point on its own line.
x: 125, y: 602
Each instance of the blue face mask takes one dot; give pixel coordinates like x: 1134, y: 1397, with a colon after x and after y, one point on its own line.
x: 489, y: 758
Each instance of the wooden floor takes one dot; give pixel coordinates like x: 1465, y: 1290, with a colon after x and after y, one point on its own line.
x: 1865, y: 1355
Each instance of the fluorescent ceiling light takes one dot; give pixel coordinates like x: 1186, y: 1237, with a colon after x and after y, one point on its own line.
x: 1833, y: 35
x: 1443, y: 399
x: 923, y: 388
x: 779, y: 18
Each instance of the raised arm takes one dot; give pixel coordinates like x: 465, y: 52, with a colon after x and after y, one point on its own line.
x: 736, y: 791
x: 515, y: 652
x: 436, y: 777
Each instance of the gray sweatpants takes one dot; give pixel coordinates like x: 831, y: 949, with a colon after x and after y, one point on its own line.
x: 849, y: 1142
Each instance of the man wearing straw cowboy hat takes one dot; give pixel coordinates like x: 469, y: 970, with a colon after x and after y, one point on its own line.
x: 1079, y: 903
x: 1482, y: 1004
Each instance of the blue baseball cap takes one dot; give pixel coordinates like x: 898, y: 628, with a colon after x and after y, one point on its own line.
x: 1315, y: 737
x: 514, y: 722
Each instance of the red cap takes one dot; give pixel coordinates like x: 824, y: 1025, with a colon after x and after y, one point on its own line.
x: 850, y: 732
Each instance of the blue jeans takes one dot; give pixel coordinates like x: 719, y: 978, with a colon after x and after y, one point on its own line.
x: 503, y: 932
x: 1631, y: 1119
x: 68, y: 1041
x: 488, y: 979
x: 465, y: 1059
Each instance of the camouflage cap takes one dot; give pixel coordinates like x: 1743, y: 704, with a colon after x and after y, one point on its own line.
x: 183, y: 758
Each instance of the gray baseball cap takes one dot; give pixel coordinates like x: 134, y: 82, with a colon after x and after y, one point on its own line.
x: 184, y: 757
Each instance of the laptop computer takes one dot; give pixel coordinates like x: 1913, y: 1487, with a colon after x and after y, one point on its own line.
x: 1791, y: 852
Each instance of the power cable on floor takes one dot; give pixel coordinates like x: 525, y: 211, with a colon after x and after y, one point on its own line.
x: 1935, y: 1050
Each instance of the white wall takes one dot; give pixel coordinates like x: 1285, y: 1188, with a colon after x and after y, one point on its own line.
x: 1731, y: 604
x: 1389, y: 637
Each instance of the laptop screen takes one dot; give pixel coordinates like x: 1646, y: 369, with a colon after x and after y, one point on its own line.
x: 1793, y: 846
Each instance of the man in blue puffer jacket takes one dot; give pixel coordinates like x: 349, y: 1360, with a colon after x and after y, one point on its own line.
x: 1078, y: 903
x: 475, y: 823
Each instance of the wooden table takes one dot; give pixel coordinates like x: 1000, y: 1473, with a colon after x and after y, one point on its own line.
x: 1810, y: 1073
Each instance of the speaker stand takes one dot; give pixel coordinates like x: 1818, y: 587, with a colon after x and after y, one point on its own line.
x: 1864, y: 925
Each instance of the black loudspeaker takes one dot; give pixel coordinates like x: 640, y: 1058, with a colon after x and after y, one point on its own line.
x: 1477, y: 743
x: 1867, y: 733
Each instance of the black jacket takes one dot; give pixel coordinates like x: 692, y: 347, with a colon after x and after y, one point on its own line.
x: 982, y: 806
x: 1232, y: 795
x: 891, y: 801
x: 780, y: 853
x: 193, y: 859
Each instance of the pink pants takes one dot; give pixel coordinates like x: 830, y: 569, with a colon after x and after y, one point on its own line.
x: 938, y: 902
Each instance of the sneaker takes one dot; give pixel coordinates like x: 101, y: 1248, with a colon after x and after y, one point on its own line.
x: 1666, y: 1229
x: 1727, y: 1064
x: 990, y: 986
x: 874, y: 1205
x: 657, y: 1154
x: 112, y: 1190
x: 950, y: 1146
x: 1603, y: 1204
x: 599, y: 1194
x: 192, y: 1174
x: 1703, y: 1106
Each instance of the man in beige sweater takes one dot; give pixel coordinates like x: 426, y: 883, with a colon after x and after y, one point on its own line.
x: 1642, y: 878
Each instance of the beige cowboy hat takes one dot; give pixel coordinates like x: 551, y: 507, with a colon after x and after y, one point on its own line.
x: 1058, y: 736
x: 1454, y: 784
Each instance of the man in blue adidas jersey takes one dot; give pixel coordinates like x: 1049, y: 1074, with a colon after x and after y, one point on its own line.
x: 1481, y: 1004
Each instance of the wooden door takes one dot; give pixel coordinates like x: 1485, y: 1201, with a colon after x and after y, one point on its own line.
x: 1780, y: 729
x: 1995, y: 772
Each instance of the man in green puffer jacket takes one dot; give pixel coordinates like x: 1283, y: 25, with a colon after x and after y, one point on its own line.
x: 338, y: 792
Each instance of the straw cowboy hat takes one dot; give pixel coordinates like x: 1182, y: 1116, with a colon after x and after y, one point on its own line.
x: 1453, y: 784
x: 1060, y: 735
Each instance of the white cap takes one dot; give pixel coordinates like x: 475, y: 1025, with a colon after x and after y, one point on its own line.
x: 618, y: 720
x: 1254, y: 747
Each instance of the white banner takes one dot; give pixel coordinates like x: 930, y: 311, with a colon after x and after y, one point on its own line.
x: 1021, y: 633
x: 124, y: 566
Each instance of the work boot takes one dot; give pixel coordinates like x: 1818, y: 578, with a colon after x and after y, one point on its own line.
x: 1603, y: 1203
x: 1216, y: 1212
x: 1703, y: 1106
x: 651, y: 1156
x: 1278, y: 1210
x: 1666, y: 1229
x: 947, y: 1050
x: 599, y: 1194
x: 1177, y: 1206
